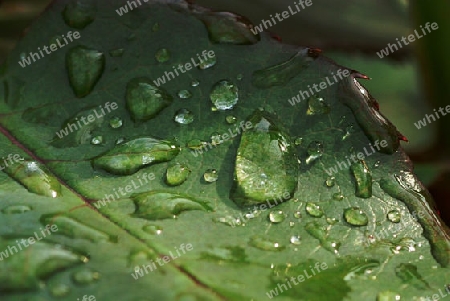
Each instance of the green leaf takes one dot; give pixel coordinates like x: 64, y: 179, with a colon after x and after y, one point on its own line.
x: 143, y: 218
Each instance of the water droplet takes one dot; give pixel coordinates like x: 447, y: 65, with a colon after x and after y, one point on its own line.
x: 59, y: 290
x: 337, y: 196
x: 115, y: 122
x: 85, y: 67
x: 35, y: 177
x: 156, y: 205
x: 144, y: 100
x: 281, y: 74
x: 211, y: 175
x: 297, y: 214
x: 330, y: 182
x: 120, y: 140
x: 177, y: 174
x: 355, y: 217
x: 153, y: 229
x: 277, y: 216
x: 184, y: 94
x: 348, y: 131
x: 224, y: 95
x: 332, y: 220
x: 291, y: 224
x: 155, y: 27
x: 216, y: 139
x: 231, y: 119
x: 388, y: 296
x: 129, y: 157
x: 162, y: 55
x: 228, y: 220
x: 239, y: 76
x: 85, y: 276
x: 377, y: 164
x: 196, y: 144
x: 317, y: 106
x: 116, y: 52
x: 228, y: 28
x: 298, y: 141
x: 363, y: 178
x: 394, y: 216
x: 265, y: 154
x: 97, y: 140
x: 265, y: 244
x: 315, y: 151
x: 295, y: 239
x: 16, y: 209
x: 207, y: 63
x: 79, y: 13
x: 184, y: 116
x: 195, y: 83
x: 314, y: 209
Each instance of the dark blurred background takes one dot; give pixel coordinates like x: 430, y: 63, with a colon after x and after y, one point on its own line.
x: 408, y: 83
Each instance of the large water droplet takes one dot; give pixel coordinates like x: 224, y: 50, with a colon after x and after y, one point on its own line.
x: 314, y: 210
x: 277, y: 216
x: 129, y: 157
x: 177, y: 174
x: 207, y: 63
x: 363, y: 178
x: 315, y: 151
x: 97, y: 140
x: 281, y: 74
x: 161, y: 205
x: 394, y: 216
x: 79, y: 13
x: 211, y: 175
x: 355, y: 216
x: 162, y: 55
x: 16, y: 209
x: 224, y: 95
x: 145, y: 100
x: 85, y: 67
x: 265, y: 154
x: 35, y: 177
x: 317, y: 106
x: 265, y: 244
x: 115, y: 122
x: 183, y: 116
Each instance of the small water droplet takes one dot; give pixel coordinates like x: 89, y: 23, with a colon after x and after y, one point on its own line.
x: 394, y: 216
x: 291, y: 224
x: 120, y: 140
x: 388, y: 296
x: 277, y: 216
x: 224, y: 95
x: 216, y: 139
x: 177, y: 174
x: 348, y: 131
x: 377, y: 164
x: 211, y: 175
x: 162, y: 55
x: 97, y: 140
x: 231, y: 119
x: 184, y: 94
x: 355, y: 216
x: 184, y: 116
x: 195, y: 83
x: 330, y: 181
x: 295, y: 239
x: 207, y: 63
x: 152, y: 229
x: 317, y: 106
x: 79, y: 13
x: 59, y: 290
x: 228, y: 220
x: 314, y: 209
x: 115, y: 122
x: 315, y: 151
x: 338, y: 196
x: 332, y: 220
x: 239, y: 76
x: 265, y: 244
x: 297, y: 214
x: 85, y: 276
x: 298, y: 141
x: 16, y: 209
